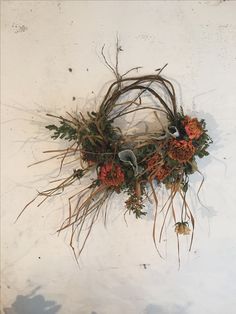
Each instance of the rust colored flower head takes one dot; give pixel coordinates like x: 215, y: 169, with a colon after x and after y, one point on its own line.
x: 111, y: 174
x: 157, y: 168
x: 192, y: 127
x: 181, y: 151
x: 182, y: 228
x: 154, y: 162
x: 162, y: 172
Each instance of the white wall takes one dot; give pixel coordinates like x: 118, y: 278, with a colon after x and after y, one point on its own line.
x: 40, y: 41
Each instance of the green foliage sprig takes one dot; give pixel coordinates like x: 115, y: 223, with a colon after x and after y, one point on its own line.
x: 63, y: 131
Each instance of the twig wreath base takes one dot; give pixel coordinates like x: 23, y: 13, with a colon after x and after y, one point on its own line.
x: 133, y: 165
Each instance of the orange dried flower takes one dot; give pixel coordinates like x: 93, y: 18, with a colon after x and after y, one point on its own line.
x: 192, y: 127
x: 159, y: 170
x: 162, y: 172
x: 181, y: 150
x: 111, y: 174
x: 154, y: 162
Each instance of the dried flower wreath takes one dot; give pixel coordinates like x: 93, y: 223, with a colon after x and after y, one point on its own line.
x: 137, y: 164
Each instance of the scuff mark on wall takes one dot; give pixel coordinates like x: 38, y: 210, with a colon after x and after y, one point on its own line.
x: 19, y: 28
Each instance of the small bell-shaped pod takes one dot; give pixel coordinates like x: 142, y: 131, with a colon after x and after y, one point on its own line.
x: 173, y: 131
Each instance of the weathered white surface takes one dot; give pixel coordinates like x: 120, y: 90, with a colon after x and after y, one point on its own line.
x: 40, y: 41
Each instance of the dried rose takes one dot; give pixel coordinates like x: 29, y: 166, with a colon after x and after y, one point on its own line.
x: 192, y: 127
